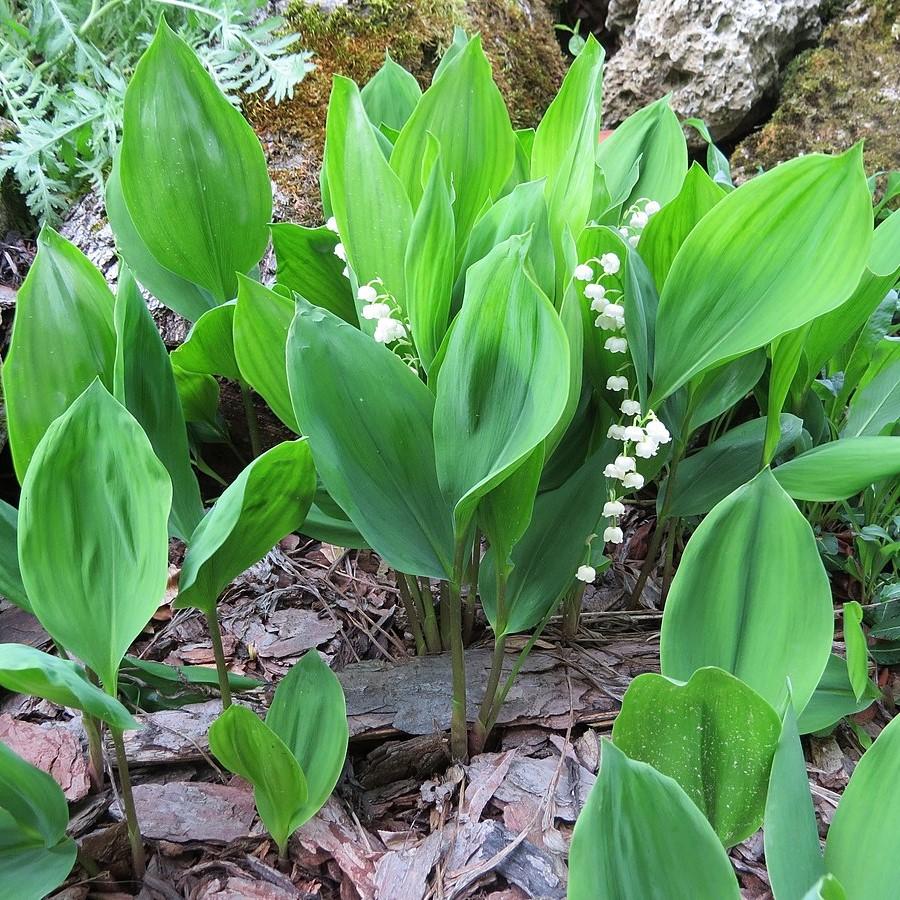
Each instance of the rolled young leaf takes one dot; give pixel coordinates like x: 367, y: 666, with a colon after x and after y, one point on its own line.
x: 11, y: 585
x: 751, y: 596
x: 752, y: 268
x: 63, y: 330
x: 269, y: 499
x: 639, y: 835
x: 27, y: 670
x: 714, y: 735
x: 857, y: 649
x: 369, y: 419
x: 93, y: 540
x: 193, y: 173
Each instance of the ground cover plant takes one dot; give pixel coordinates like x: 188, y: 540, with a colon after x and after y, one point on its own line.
x: 497, y: 344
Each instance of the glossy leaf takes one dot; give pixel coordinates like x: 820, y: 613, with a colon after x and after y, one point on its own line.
x: 369, y: 419
x: 391, y: 95
x: 857, y: 649
x: 786, y: 354
x: 834, y: 698
x: 262, y: 320
x: 245, y: 745
x: 309, y: 714
x: 840, y: 469
x: 63, y: 330
x: 504, y: 381
x: 192, y: 171
x: 269, y: 499
x: 826, y: 888
x: 752, y: 269
x: 793, y: 855
x: 11, y: 585
x: 145, y: 385
x: 93, y: 581
x: 714, y: 735
x: 861, y: 857
x: 885, y: 256
x: 717, y: 390
x: 641, y: 303
x: 751, y: 596
x: 874, y: 406
x: 209, y: 348
x: 26, y: 670
x: 639, y: 835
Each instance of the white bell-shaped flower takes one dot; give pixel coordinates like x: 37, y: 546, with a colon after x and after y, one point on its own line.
x: 631, y: 407
x: 617, y: 383
x: 633, y: 480
x: 610, y: 263
x: 586, y: 574
x: 616, y: 345
x: 584, y: 273
x: 373, y: 311
x: 612, y: 509
x: 389, y: 330
x: 613, y: 535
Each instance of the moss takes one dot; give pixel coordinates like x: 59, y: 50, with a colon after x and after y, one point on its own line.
x: 844, y: 90
x: 352, y: 39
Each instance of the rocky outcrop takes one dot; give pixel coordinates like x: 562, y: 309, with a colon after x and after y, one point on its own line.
x: 720, y: 59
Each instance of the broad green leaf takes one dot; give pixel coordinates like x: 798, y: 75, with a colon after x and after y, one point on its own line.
x: 857, y: 649
x: 653, y: 140
x: 430, y: 262
x: 29, y: 870
x: 327, y: 522
x: 885, y: 256
x: 369, y: 201
x: 464, y: 110
x: 549, y: 552
x: 714, y: 735
x: 262, y: 320
x: 209, y: 348
x: 667, y: 230
x: 391, y: 95
x: 867, y: 354
x: 834, y: 698
x: 269, y: 499
x: 245, y: 745
x: 826, y: 888
x: 144, y: 384
x: 786, y: 353
x: 873, y: 407
x: 752, y: 268
x: 199, y: 396
x: 640, y: 836
x: 306, y: 263
x: 93, y: 542
x: 641, y: 303
x: 63, y: 330
x: 717, y: 390
x: 840, y: 469
x: 457, y: 45
x: 716, y: 162
x: 26, y: 670
x: 859, y: 852
x: 309, y: 714
x: 751, y: 596
x: 504, y: 381
x: 369, y: 419
x: 711, y: 474
x: 192, y: 171
x: 11, y: 585
x: 793, y: 855
x: 570, y: 314
x: 184, y: 297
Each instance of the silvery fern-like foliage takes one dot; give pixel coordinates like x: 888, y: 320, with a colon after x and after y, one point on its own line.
x: 64, y: 66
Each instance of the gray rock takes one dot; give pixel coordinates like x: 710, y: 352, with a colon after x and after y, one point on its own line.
x: 621, y: 14
x: 718, y: 58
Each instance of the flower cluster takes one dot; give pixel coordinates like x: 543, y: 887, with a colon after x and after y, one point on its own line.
x: 380, y: 307
x: 636, y: 218
x: 339, y: 250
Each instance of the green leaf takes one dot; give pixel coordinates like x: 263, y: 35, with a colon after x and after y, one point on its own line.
x: 11, y: 585
x: 885, y: 256
x: 727, y: 604
x: 391, y: 95
x: 25, y: 670
x: 667, y: 230
x: 306, y: 263
x: 93, y: 542
x: 145, y: 385
x: 752, y: 268
x: 369, y: 419
x: 857, y: 649
x: 826, y: 888
x: 714, y: 735
x: 504, y: 381
x: 873, y: 407
x: 711, y: 474
x: 209, y: 348
x: 834, y: 698
x: 199, y: 396
x: 641, y: 303
x: 863, y: 857
x: 369, y: 201
x: 245, y: 745
x: 716, y: 162
x: 717, y: 390
x: 464, y: 110
x: 793, y: 855
x: 639, y: 835
x: 430, y: 261
x: 269, y: 499
x: 840, y: 469
x: 653, y: 140
x: 786, y: 353
x: 186, y: 298
x: 262, y: 320
x: 193, y: 173
x: 309, y: 714
x: 63, y: 330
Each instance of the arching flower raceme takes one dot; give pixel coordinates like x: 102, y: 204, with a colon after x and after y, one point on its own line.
x: 586, y: 574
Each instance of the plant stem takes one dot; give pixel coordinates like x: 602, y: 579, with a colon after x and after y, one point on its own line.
x: 674, y: 532
x: 412, y: 613
x: 482, y: 728
x: 445, y: 615
x: 252, y: 422
x: 572, y: 611
x: 134, y: 832
x: 459, y: 744
x: 472, y: 593
x: 215, y: 633
x: 422, y: 595
x: 95, y: 751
